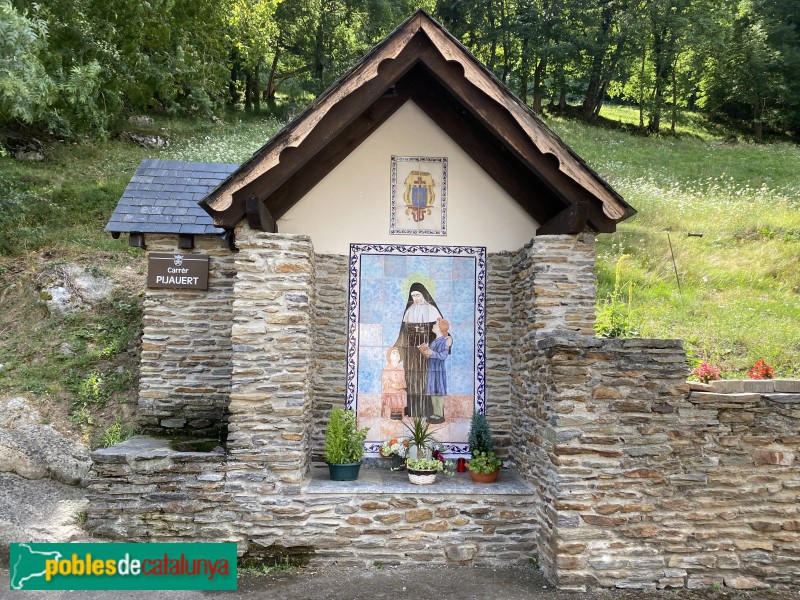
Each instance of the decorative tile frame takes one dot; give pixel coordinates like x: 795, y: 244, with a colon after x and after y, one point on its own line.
x: 373, y: 295
x: 399, y: 223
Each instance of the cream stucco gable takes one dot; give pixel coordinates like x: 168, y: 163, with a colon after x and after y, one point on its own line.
x: 352, y: 203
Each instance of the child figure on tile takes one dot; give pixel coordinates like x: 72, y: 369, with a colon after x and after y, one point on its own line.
x: 437, y: 352
x: 393, y: 386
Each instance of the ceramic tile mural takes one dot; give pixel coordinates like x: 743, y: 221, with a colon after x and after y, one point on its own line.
x: 416, y: 320
x: 419, y: 195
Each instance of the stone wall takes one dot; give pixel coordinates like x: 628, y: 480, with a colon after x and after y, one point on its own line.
x: 632, y: 481
x: 499, y: 336
x: 330, y: 343
x: 272, y: 334
x: 552, y: 289
x: 185, y: 369
x: 144, y: 491
x: 654, y: 487
x: 554, y: 279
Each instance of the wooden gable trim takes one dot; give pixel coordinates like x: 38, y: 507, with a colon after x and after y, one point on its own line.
x: 282, y: 171
x: 418, y: 85
x: 219, y: 202
x: 545, y: 166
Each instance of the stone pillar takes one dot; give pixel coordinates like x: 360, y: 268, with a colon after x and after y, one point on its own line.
x: 564, y: 291
x: 270, y: 421
x: 553, y: 290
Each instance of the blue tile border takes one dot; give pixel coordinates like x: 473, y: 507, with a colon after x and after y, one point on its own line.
x: 357, y: 251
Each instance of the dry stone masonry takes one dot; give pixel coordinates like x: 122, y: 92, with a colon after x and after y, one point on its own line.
x: 185, y: 369
x: 619, y: 474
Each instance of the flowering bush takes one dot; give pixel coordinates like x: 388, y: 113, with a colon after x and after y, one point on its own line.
x: 394, y: 447
x: 761, y: 370
x: 706, y: 372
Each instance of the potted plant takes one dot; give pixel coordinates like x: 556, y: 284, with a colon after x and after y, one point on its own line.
x: 344, y: 445
x: 484, y: 466
x: 422, y: 471
x: 396, y: 451
x: 424, y: 460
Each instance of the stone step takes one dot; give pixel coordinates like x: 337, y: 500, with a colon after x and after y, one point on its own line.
x: 787, y: 386
x: 784, y: 398
x: 710, y: 397
x: 763, y: 386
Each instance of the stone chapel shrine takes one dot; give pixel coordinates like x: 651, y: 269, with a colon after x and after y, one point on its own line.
x: 417, y: 189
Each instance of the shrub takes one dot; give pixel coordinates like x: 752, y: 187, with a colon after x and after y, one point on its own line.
x: 705, y: 372
x: 116, y: 433
x: 761, y: 370
x: 480, y: 437
x: 344, y: 442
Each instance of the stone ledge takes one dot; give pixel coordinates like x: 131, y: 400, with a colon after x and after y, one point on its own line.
x: 757, y: 386
x: 143, y: 447
x: 375, y: 481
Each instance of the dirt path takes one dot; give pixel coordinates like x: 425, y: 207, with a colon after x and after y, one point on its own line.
x: 399, y: 583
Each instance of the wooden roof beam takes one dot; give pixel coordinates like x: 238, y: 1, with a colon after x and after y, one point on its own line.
x: 573, y: 219
x: 259, y: 217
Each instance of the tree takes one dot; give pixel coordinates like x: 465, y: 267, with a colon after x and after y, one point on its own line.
x: 26, y: 90
x: 750, y: 77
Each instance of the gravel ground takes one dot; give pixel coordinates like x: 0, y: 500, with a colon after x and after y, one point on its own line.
x: 398, y: 583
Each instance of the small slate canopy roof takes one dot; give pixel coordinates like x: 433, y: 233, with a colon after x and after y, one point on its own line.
x: 162, y: 197
x: 420, y: 61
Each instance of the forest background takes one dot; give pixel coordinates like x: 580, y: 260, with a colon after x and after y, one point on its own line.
x: 76, y: 66
x: 689, y: 108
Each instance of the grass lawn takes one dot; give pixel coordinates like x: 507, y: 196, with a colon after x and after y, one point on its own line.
x: 739, y: 282
x: 738, y: 299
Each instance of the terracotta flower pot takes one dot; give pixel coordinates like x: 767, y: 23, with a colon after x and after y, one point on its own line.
x: 484, y: 477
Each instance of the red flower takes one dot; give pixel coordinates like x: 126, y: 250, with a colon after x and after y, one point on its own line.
x: 761, y: 370
x: 706, y: 372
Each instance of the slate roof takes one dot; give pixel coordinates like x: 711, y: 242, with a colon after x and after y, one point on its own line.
x: 162, y: 197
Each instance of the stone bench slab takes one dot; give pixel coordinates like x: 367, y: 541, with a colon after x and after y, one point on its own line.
x: 377, y: 481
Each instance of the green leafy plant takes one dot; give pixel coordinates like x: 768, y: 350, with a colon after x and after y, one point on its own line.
x: 484, y: 463
x: 420, y: 436
x: 92, y: 390
x: 430, y: 464
x: 615, y: 313
x: 344, y: 442
x: 276, y: 565
x: 116, y: 433
x: 480, y: 437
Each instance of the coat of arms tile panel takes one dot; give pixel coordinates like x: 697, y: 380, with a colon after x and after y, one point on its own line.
x: 418, y: 195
